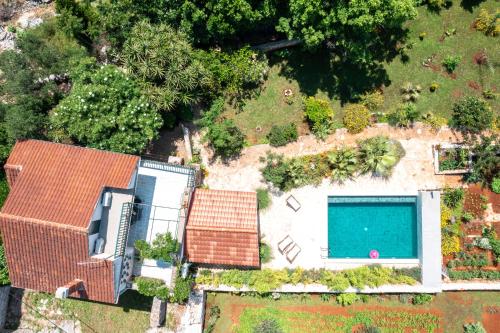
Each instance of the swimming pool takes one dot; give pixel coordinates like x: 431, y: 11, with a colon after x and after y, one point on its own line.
x: 358, y: 225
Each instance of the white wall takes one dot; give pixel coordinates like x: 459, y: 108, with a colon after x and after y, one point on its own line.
x: 92, y: 239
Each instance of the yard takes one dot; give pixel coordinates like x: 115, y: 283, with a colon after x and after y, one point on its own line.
x: 302, y: 313
x: 431, y: 37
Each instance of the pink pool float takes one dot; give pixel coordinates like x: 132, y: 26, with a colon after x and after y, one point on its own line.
x: 374, y: 254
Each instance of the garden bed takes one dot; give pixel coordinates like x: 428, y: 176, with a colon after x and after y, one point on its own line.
x: 451, y: 159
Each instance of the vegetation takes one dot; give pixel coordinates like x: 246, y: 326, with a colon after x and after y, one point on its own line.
x: 163, y: 247
x: 319, y: 114
x: 453, y: 158
x: 181, y: 291
x: 347, y: 299
x: 213, y: 315
x: 495, y: 185
x: 265, y: 253
x: 379, y: 155
x: 266, y: 280
x: 344, y: 164
x: 357, y: 117
x: 152, y: 287
x: 263, y: 198
x: 281, y: 135
x: 474, y: 328
x: 421, y: 299
x: 267, y: 326
x: 488, y: 23
x: 452, y: 197
x: 4, y: 269
x: 472, y: 114
x: 451, y: 62
x: 486, y: 161
x: 404, y: 115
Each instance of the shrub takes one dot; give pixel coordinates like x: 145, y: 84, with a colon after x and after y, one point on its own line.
x: 472, y: 114
x: 347, y: 299
x: 275, y: 171
x: 268, y: 326
x: 152, y: 287
x: 495, y: 185
x: 265, y: 253
x: 404, y: 115
x: 263, y: 198
x: 325, y: 297
x: 356, y: 118
x: 434, y: 86
x: 162, y: 247
x: 450, y: 243
x: 213, y: 316
x: 344, y: 164
x: 226, y: 138
x: 319, y: 114
x: 488, y: 23
x: 379, y: 155
x: 421, y: 299
x: 410, y: 92
x: 475, y: 274
x: 4, y: 270
x: 182, y: 289
x: 435, y: 122
x: 474, y: 328
x: 281, y: 135
x: 372, y: 100
x: 451, y: 62
x: 485, y: 167
x: 453, y: 196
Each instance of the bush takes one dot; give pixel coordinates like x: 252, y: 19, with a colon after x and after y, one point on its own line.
x: 434, y: 86
x: 452, y: 197
x: 347, y: 299
x: 373, y: 100
x: 475, y: 274
x: 421, y: 299
x: 152, y: 287
x: 435, y: 122
x: 495, y: 185
x: 213, y: 316
x: 265, y: 253
x: 474, y: 328
x: 267, y: 326
x: 379, y: 155
x: 319, y: 114
x: 410, y: 92
x: 356, y: 118
x: 263, y: 198
x: 404, y: 115
x: 4, y: 270
x: 451, y: 62
x: 344, y: 164
x: 488, y: 23
x: 162, y: 247
x: 182, y: 289
x: 472, y: 114
x: 275, y: 171
x: 281, y: 135
x: 486, y: 161
x: 226, y: 138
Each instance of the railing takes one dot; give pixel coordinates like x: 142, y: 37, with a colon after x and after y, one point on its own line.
x: 182, y: 169
x: 121, y: 241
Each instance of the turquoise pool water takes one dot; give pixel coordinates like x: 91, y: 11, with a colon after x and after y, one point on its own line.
x: 357, y: 225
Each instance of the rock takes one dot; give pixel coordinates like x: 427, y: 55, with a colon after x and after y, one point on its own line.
x: 27, y: 21
x: 7, y: 39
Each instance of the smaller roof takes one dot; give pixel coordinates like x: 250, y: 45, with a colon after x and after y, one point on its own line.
x: 222, y: 228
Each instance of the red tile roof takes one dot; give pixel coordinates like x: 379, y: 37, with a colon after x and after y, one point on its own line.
x: 61, y: 183
x: 222, y: 228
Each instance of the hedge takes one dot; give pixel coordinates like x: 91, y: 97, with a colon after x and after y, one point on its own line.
x: 475, y: 274
x: 267, y: 280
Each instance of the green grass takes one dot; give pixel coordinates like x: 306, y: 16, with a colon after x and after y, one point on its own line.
x: 319, y: 75
x: 447, y: 312
x: 130, y: 315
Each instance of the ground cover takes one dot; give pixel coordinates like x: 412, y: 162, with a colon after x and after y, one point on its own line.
x: 314, y: 313
x: 130, y: 315
x: 431, y: 38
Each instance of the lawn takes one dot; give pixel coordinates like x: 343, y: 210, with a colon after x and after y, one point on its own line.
x: 446, y: 313
x: 130, y: 315
x: 317, y: 75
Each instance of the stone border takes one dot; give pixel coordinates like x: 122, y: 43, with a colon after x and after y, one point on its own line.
x: 435, y: 153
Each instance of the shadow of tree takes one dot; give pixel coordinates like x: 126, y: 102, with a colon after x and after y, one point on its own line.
x: 469, y: 5
x: 333, y: 71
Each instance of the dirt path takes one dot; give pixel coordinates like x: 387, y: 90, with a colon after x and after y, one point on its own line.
x: 243, y: 173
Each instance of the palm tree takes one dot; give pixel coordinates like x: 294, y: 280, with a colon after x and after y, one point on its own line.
x: 344, y: 164
x: 379, y: 155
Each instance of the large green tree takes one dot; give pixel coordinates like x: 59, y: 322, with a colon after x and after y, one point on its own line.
x: 353, y: 27
x: 105, y: 110
x: 163, y: 60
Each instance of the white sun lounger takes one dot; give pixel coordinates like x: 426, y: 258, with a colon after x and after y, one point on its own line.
x: 285, y: 244
x: 293, y: 203
x: 292, y: 253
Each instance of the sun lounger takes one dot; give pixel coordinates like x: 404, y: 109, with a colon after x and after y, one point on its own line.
x: 293, y: 203
x: 285, y: 244
x: 292, y: 253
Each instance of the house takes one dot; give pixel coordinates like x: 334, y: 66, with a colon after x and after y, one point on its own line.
x: 73, y: 215
x: 223, y: 229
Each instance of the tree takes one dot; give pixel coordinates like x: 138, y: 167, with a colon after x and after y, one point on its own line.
x: 106, y: 110
x: 379, y: 155
x: 344, y: 164
x: 163, y: 61
x: 352, y: 26
x: 472, y: 114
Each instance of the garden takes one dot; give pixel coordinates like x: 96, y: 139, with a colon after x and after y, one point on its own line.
x: 446, y: 312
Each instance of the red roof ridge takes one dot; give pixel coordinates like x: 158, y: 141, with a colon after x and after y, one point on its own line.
x: 10, y: 217
x: 215, y: 228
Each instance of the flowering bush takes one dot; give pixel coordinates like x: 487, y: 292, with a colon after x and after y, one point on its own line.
x: 106, y: 110
x: 356, y: 118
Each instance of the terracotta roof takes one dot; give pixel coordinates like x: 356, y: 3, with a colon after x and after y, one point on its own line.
x: 61, y: 183
x: 222, y: 228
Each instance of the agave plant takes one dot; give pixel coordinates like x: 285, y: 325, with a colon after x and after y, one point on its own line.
x: 344, y: 164
x: 379, y: 155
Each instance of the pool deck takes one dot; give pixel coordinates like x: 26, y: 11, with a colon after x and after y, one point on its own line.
x: 431, y: 263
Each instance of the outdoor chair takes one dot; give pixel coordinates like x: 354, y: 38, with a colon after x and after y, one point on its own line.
x: 293, y: 203
x: 284, y: 244
x: 292, y: 253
